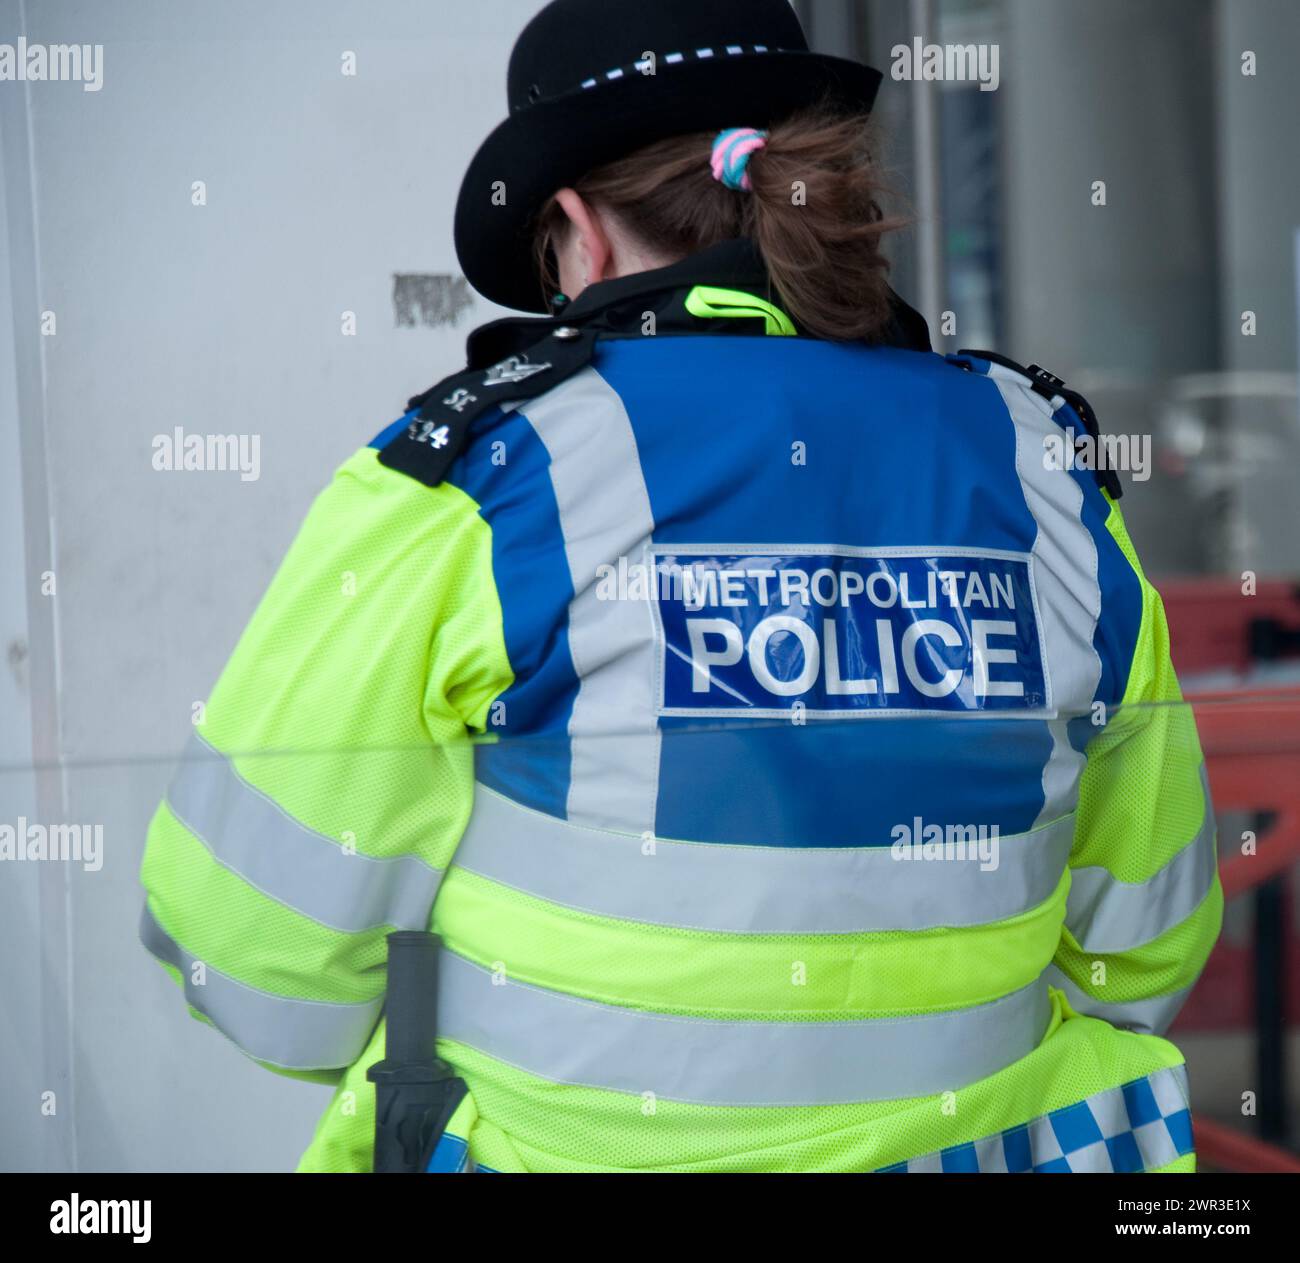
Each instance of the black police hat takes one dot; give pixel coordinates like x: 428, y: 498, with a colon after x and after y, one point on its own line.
x: 592, y: 80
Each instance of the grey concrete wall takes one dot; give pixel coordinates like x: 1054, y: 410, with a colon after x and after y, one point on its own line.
x: 1117, y: 299
x: 20, y: 888
x: 224, y: 318
x: 1126, y: 299
x: 1259, y: 186
x: 1111, y: 91
x: 1259, y: 218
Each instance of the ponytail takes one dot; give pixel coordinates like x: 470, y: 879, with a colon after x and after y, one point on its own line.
x: 811, y: 208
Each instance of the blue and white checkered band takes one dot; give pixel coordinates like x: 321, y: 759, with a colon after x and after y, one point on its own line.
x: 1141, y: 1126
x: 647, y: 67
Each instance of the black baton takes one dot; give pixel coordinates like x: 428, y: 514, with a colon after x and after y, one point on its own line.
x: 416, y: 1093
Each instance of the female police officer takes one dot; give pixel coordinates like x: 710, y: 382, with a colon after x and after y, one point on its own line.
x: 763, y: 605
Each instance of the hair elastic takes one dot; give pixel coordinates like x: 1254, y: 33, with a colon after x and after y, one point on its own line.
x: 732, y: 151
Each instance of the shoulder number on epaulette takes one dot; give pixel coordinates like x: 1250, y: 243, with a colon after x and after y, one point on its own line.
x: 437, y: 434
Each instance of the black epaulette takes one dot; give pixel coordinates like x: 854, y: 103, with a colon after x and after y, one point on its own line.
x: 1051, y: 387
x: 437, y: 434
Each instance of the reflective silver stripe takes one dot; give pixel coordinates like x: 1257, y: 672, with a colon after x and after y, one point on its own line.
x: 253, y: 836
x: 1171, y: 1089
x: 1145, y: 1017
x: 1064, y: 563
x: 754, y: 889
x: 604, y: 511
x: 702, y: 1060
x: 285, y: 1032
x: 1108, y: 915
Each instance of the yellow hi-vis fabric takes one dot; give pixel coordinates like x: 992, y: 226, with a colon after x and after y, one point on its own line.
x: 516, y: 1122
x: 344, y: 712
x: 1142, y: 797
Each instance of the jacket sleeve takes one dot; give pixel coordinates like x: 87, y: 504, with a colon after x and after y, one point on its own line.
x: 331, y: 776
x: 1145, y: 903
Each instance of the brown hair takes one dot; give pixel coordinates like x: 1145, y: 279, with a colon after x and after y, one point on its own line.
x: 812, y: 212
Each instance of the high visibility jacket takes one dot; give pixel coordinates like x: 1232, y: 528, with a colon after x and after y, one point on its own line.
x: 783, y: 743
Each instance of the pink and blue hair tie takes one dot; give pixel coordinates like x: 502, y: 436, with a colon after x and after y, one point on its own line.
x: 731, y: 154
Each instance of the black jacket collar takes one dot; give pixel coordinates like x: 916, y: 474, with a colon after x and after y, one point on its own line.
x: 619, y: 307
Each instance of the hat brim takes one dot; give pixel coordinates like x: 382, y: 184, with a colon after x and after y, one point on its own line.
x: 554, y: 143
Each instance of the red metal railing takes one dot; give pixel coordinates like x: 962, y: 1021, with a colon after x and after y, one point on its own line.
x: 1251, y: 739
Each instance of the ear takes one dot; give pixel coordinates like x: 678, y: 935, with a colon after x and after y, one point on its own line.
x: 587, y: 254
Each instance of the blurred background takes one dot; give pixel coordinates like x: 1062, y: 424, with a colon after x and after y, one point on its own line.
x: 247, y: 230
